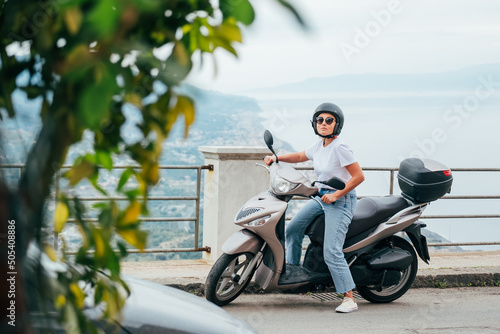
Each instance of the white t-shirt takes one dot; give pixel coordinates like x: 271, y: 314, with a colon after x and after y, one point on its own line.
x: 331, y: 160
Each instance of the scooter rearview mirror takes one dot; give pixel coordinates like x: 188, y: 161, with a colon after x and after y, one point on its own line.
x: 268, y: 138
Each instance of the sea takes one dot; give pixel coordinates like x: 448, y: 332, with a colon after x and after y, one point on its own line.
x: 457, y: 128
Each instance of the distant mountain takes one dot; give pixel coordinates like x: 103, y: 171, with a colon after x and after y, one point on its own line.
x: 221, y: 119
x: 433, y: 237
x: 459, y: 80
x: 225, y: 120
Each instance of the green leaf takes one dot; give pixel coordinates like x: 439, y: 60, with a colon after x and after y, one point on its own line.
x: 133, y: 194
x: 295, y: 13
x: 104, y: 17
x: 94, y: 101
x: 136, y: 238
x: 77, y: 61
x: 104, y: 159
x: 99, y: 243
x: 101, y: 206
x: 93, y: 179
x: 61, y: 216
x: 70, y: 318
x: 99, y: 290
x: 113, y: 263
x: 241, y: 10
x: 123, y: 249
x: 124, y: 285
x: 184, y: 106
x: 79, y: 171
x: 7, y: 88
x: 33, y: 92
x: 229, y: 31
x: 151, y: 173
x: 106, y: 218
x: 124, y: 178
x: 77, y: 294
x: 177, y: 66
x: 51, y: 253
x: 224, y: 44
x: 73, y: 19
x: 131, y: 215
x: 163, y: 117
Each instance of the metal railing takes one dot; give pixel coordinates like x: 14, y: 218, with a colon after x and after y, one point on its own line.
x: 197, y: 199
x: 392, y: 171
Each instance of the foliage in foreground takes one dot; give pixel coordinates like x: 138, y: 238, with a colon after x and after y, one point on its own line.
x: 84, y: 61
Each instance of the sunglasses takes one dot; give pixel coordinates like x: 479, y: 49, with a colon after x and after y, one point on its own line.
x: 328, y: 120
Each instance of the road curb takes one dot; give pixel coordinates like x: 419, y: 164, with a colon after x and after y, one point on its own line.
x: 458, y: 280
x: 421, y: 281
x: 445, y: 270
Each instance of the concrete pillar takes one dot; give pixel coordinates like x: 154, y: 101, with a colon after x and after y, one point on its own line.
x: 234, y: 180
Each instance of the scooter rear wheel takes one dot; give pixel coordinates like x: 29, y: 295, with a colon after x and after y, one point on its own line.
x: 391, y: 293
x: 222, y: 285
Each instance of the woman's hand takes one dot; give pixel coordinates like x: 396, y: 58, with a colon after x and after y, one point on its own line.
x: 289, y: 157
x: 329, y: 198
x: 268, y: 160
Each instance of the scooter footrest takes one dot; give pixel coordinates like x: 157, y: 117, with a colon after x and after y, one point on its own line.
x: 298, y: 274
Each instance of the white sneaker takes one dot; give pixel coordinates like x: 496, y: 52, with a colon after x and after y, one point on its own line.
x: 348, y: 305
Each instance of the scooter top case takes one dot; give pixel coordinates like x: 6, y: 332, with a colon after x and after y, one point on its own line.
x: 424, y: 180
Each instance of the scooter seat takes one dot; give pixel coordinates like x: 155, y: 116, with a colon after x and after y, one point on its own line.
x: 370, y: 211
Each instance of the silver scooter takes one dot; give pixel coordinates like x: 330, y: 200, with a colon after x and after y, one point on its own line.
x: 383, y: 265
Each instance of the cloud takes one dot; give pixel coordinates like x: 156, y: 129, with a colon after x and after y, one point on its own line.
x: 424, y: 36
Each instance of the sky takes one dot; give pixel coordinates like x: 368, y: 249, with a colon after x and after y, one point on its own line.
x: 361, y: 36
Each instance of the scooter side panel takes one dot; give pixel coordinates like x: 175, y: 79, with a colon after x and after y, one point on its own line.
x: 275, y: 208
x: 279, y: 257
x: 396, y: 224
x: 242, y: 241
x: 264, y: 276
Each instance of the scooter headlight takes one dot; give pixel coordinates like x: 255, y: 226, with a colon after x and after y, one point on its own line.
x: 281, y: 186
x: 258, y: 222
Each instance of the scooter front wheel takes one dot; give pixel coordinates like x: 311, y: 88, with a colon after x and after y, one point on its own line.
x: 224, y: 283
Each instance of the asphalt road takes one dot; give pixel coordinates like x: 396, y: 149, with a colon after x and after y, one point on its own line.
x: 420, y: 311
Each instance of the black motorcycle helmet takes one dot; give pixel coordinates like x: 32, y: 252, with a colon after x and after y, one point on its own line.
x: 333, y: 110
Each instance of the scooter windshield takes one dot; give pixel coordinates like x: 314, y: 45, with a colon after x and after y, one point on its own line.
x: 285, y: 179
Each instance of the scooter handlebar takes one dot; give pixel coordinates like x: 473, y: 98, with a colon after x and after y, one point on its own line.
x: 334, y: 182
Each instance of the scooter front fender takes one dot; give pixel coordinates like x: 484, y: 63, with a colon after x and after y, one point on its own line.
x: 243, y: 241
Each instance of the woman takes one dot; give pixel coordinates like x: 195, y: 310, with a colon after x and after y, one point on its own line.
x: 331, y: 157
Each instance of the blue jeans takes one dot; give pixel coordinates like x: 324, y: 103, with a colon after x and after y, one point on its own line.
x: 338, y: 216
